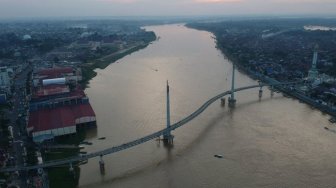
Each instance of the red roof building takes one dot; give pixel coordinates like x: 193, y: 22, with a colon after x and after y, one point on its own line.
x: 70, y: 74
x: 59, y: 121
x: 56, y: 72
x: 52, y: 90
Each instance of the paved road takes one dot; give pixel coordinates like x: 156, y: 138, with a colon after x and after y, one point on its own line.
x: 19, y: 133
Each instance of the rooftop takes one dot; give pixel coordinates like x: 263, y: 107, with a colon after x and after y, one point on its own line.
x: 61, y: 117
x: 55, y: 72
x: 52, y: 90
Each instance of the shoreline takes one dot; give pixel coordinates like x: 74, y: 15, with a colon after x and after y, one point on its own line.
x: 88, y: 69
x: 295, y: 95
x: 60, y: 176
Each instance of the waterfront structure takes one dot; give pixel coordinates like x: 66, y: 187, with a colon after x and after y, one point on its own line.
x: 56, y: 97
x: 56, y: 81
x: 313, y: 72
x: 71, y: 75
x: 55, y: 108
x: 52, y: 90
x: 49, y: 123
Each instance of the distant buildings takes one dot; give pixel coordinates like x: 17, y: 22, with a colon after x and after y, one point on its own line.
x: 5, y: 79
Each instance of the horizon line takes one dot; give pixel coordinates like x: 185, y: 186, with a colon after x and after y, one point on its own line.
x: 160, y: 17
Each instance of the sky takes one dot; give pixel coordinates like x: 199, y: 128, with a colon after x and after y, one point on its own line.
x: 87, y: 8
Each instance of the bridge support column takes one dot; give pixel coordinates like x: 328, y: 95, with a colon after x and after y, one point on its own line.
x: 232, y: 100
x: 260, y: 92
x: 223, y: 101
x: 71, y: 169
x: 168, y: 138
x: 272, y: 91
x: 101, y: 165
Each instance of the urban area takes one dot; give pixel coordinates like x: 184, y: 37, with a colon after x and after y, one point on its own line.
x: 284, y: 50
x: 46, y: 65
x: 44, y: 69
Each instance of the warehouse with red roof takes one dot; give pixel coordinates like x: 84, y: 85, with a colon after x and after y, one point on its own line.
x: 58, y: 106
x: 59, y: 121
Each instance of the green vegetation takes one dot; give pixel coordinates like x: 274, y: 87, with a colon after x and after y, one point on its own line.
x: 4, y: 133
x: 88, y: 69
x: 61, y: 176
x: 136, y: 42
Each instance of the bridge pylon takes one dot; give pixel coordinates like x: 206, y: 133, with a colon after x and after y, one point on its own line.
x: 232, y: 100
x: 168, y: 138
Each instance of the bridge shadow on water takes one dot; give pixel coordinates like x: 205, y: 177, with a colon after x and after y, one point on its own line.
x: 217, y: 119
x: 171, y: 154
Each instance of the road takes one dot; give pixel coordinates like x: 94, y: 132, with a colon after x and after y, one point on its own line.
x: 18, y: 122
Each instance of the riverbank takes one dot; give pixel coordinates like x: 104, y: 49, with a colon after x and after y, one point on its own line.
x: 61, y: 176
x: 261, y: 77
x: 88, y: 68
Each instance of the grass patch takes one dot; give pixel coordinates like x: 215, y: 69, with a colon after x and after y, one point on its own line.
x: 61, y: 176
x: 88, y: 69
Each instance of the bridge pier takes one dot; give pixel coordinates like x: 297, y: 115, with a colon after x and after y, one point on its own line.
x: 260, y: 89
x: 260, y: 92
x: 101, y: 165
x: 223, y: 101
x: 168, y: 140
x: 272, y: 91
x: 232, y: 100
x: 71, y: 169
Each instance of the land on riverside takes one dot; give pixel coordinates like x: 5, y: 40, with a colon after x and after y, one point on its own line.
x: 282, y: 49
x: 29, y: 46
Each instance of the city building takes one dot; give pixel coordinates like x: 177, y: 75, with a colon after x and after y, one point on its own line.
x: 5, y: 79
x: 46, y: 123
x: 58, y: 106
x: 71, y: 75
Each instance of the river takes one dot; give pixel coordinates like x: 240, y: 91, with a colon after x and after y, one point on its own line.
x: 274, y: 142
